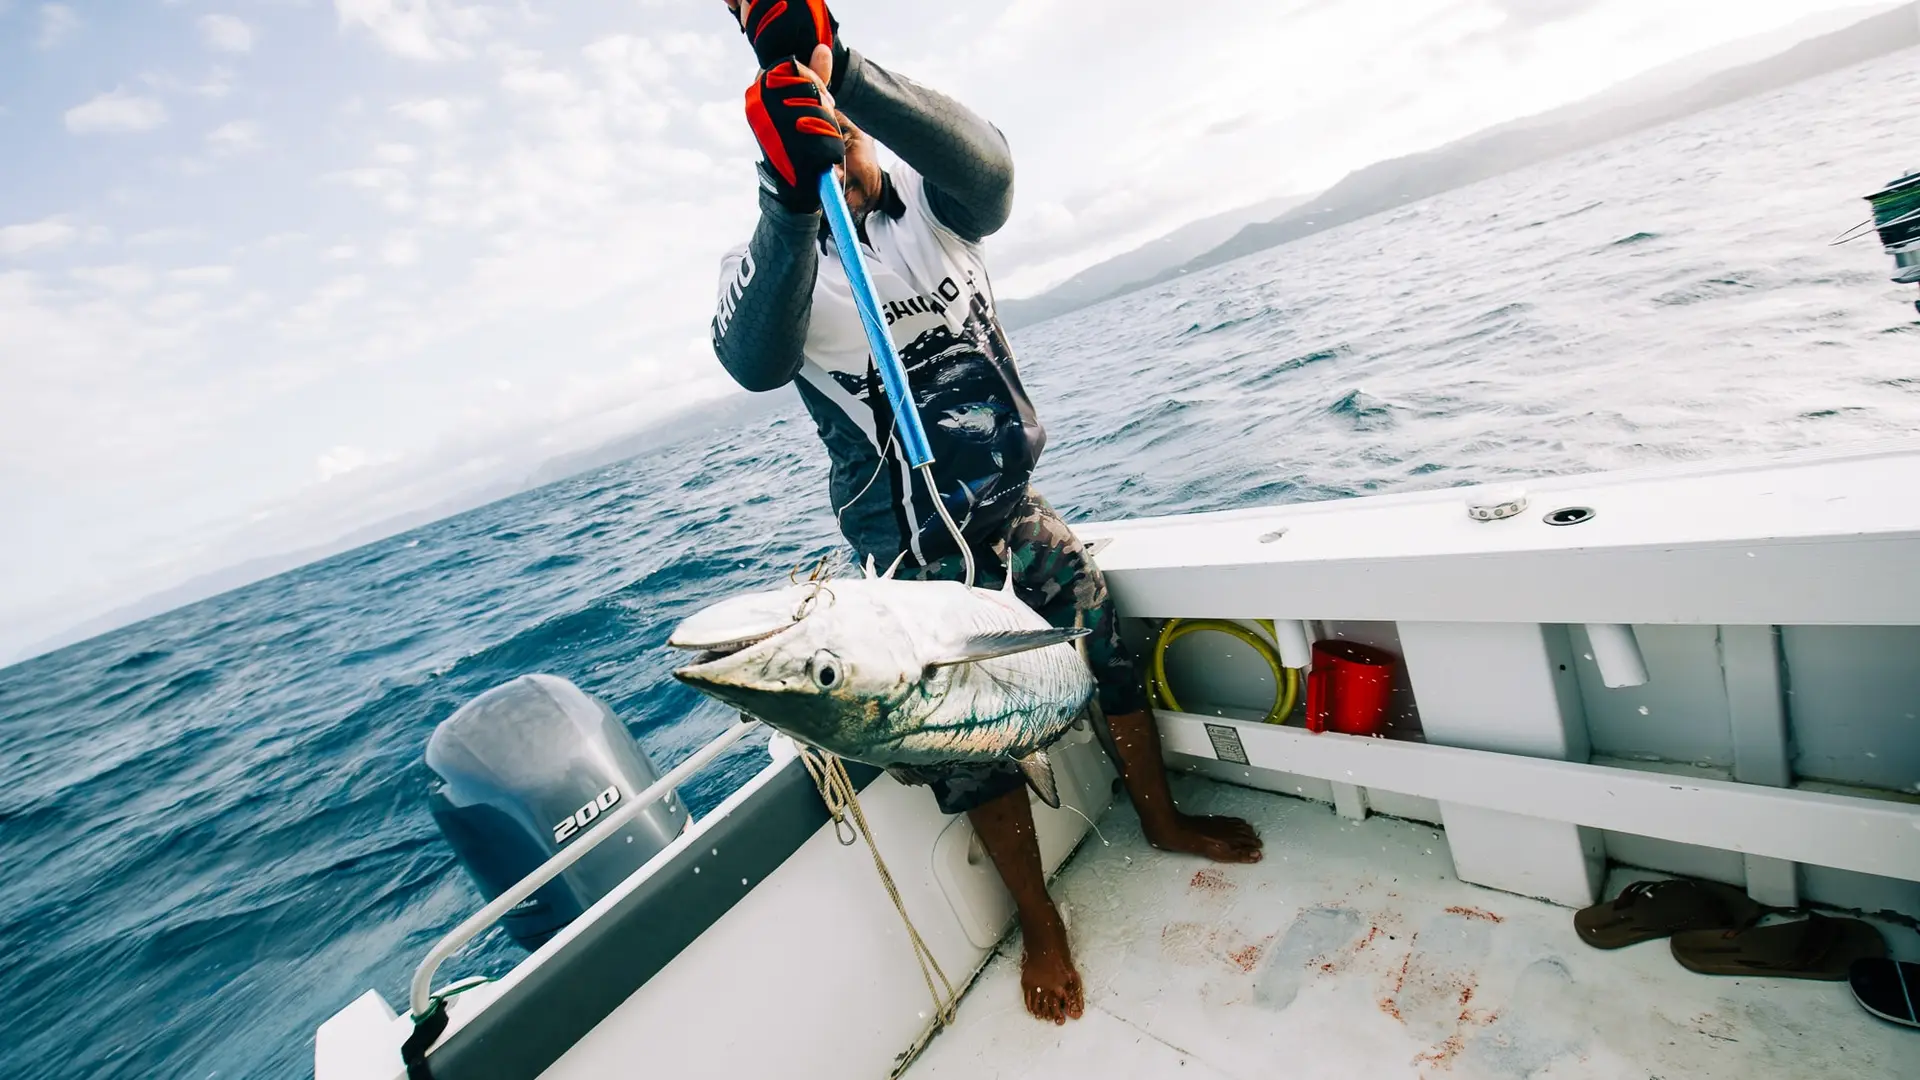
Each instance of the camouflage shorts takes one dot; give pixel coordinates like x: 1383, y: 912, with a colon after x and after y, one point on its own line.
x: 1053, y: 575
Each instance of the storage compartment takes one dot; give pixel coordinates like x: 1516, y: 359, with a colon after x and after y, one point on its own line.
x: 1217, y: 674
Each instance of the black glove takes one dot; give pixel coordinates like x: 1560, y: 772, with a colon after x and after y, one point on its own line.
x: 796, y: 133
x: 782, y: 28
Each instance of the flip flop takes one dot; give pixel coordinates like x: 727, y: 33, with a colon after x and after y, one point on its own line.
x: 1889, y: 989
x: 1646, y: 910
x: 1817, y: 947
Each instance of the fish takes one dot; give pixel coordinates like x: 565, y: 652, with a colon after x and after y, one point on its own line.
x: 894, y: 672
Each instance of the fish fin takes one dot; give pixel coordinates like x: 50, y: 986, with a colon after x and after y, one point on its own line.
x: 1007, y: 586
x: 869, y: 568
x: 986, y: 646
x: 894, y: 567
x: 1038, y: 769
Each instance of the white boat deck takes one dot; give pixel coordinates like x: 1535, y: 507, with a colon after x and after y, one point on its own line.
x: 1353, y: 951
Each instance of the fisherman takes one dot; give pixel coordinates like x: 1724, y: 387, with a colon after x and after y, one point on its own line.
x: 786, y: 315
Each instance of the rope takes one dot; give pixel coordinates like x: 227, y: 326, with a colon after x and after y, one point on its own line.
x: 836, y: 790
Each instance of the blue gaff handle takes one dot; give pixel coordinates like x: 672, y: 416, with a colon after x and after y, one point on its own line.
x: 892, y: 374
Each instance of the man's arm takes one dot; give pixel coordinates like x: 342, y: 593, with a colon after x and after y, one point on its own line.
x: 766, y: 295
x: 964, y: 160
x: 760, y: 325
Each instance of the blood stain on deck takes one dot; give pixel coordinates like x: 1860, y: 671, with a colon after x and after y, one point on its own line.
x: 1475, y: 913
x: 1210, y: 881
x: 1442, y: 1054
x: 1248, y: 958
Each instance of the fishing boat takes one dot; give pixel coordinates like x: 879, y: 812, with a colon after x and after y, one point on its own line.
x: 1701, y: 671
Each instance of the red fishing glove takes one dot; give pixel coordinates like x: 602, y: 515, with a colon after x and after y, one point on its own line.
x: 797, y: 135
x: 782, y: 28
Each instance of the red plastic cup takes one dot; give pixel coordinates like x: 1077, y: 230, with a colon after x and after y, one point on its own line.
x: 1350, y: 688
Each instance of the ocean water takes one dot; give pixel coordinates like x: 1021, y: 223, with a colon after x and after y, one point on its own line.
x: 213, y: 824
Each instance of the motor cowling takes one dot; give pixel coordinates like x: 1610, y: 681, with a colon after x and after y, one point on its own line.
x: 530, y: 768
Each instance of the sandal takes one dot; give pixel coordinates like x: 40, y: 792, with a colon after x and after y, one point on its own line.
x: 1817, y: 947
x: 1889, y: 989
x: 1646, y: 910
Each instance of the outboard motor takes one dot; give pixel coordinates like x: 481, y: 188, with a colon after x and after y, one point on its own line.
x: 528, y: 768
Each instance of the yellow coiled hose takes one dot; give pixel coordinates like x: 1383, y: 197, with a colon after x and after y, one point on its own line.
x: 1286, y: 680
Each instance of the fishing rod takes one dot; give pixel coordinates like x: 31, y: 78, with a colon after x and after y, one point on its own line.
x: 913, y: 437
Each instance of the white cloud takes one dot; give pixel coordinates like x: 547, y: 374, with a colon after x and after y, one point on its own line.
x: 234, y: 137
x: 389, y: 183
x: 339, y: 461
x: 217, y: 84
x: 116, y: 111
x: 58, y: 22
x: 46, y: 234
x: 158, y: 237
x: 395, y: 153
x: 534, y: 82
x: 225, y: 33
x: 416, y: 29
x: 440, y: 114
x: 401, y: 249
x: 342, y: 252
x: 201, y: 275
x: 1522, y: 14
x: 326, y: 300
x: 125, y: 278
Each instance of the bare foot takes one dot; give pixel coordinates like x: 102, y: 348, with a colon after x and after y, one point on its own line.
x: 1222, y: 839
x: 1048, y: 980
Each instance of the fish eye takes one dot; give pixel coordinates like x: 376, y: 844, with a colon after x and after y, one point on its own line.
x: 825, y: 669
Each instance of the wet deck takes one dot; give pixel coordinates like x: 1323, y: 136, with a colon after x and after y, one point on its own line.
x: 1352, y: 951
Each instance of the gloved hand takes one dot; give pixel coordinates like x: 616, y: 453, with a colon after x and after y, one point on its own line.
x: 797, y: 134
x: 780, y: 29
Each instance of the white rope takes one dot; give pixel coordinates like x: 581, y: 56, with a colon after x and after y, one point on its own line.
x: 836, y: 790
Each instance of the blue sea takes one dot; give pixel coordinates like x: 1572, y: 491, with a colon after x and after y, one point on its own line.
x: 213, y: 825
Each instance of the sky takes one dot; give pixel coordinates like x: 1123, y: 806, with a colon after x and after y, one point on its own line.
x: 272, y: 270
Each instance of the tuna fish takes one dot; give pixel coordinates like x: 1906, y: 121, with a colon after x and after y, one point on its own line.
x: 895, y: 672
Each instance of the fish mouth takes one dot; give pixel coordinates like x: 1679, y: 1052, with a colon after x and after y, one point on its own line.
x: 732, y: 626
x: 710, y: 672
x: 738, y: 622
x: 700, y: 672
x: 725, y: 649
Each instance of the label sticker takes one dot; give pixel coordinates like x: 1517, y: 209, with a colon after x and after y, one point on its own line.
x: 1226, y: 744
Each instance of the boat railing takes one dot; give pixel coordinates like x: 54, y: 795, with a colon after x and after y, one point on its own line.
x: 420, y: 998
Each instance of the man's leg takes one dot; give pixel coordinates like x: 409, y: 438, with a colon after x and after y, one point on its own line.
x: 994, y: 798
x: 1223, y: 839
x: 1056, y: 577
x: 1049, y: 984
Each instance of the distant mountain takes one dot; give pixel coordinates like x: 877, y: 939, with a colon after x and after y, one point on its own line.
x: 1124, y: 272
x: 1688, y: 70
x: 1398, y: 181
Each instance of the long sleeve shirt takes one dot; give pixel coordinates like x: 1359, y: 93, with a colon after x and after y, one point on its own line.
x: 785, y: 314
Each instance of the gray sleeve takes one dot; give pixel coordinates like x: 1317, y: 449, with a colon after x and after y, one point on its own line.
x: 965, y: 160
x: 760, y: 323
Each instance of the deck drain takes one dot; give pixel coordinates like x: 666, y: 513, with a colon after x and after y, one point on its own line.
x: 1569, y: 515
